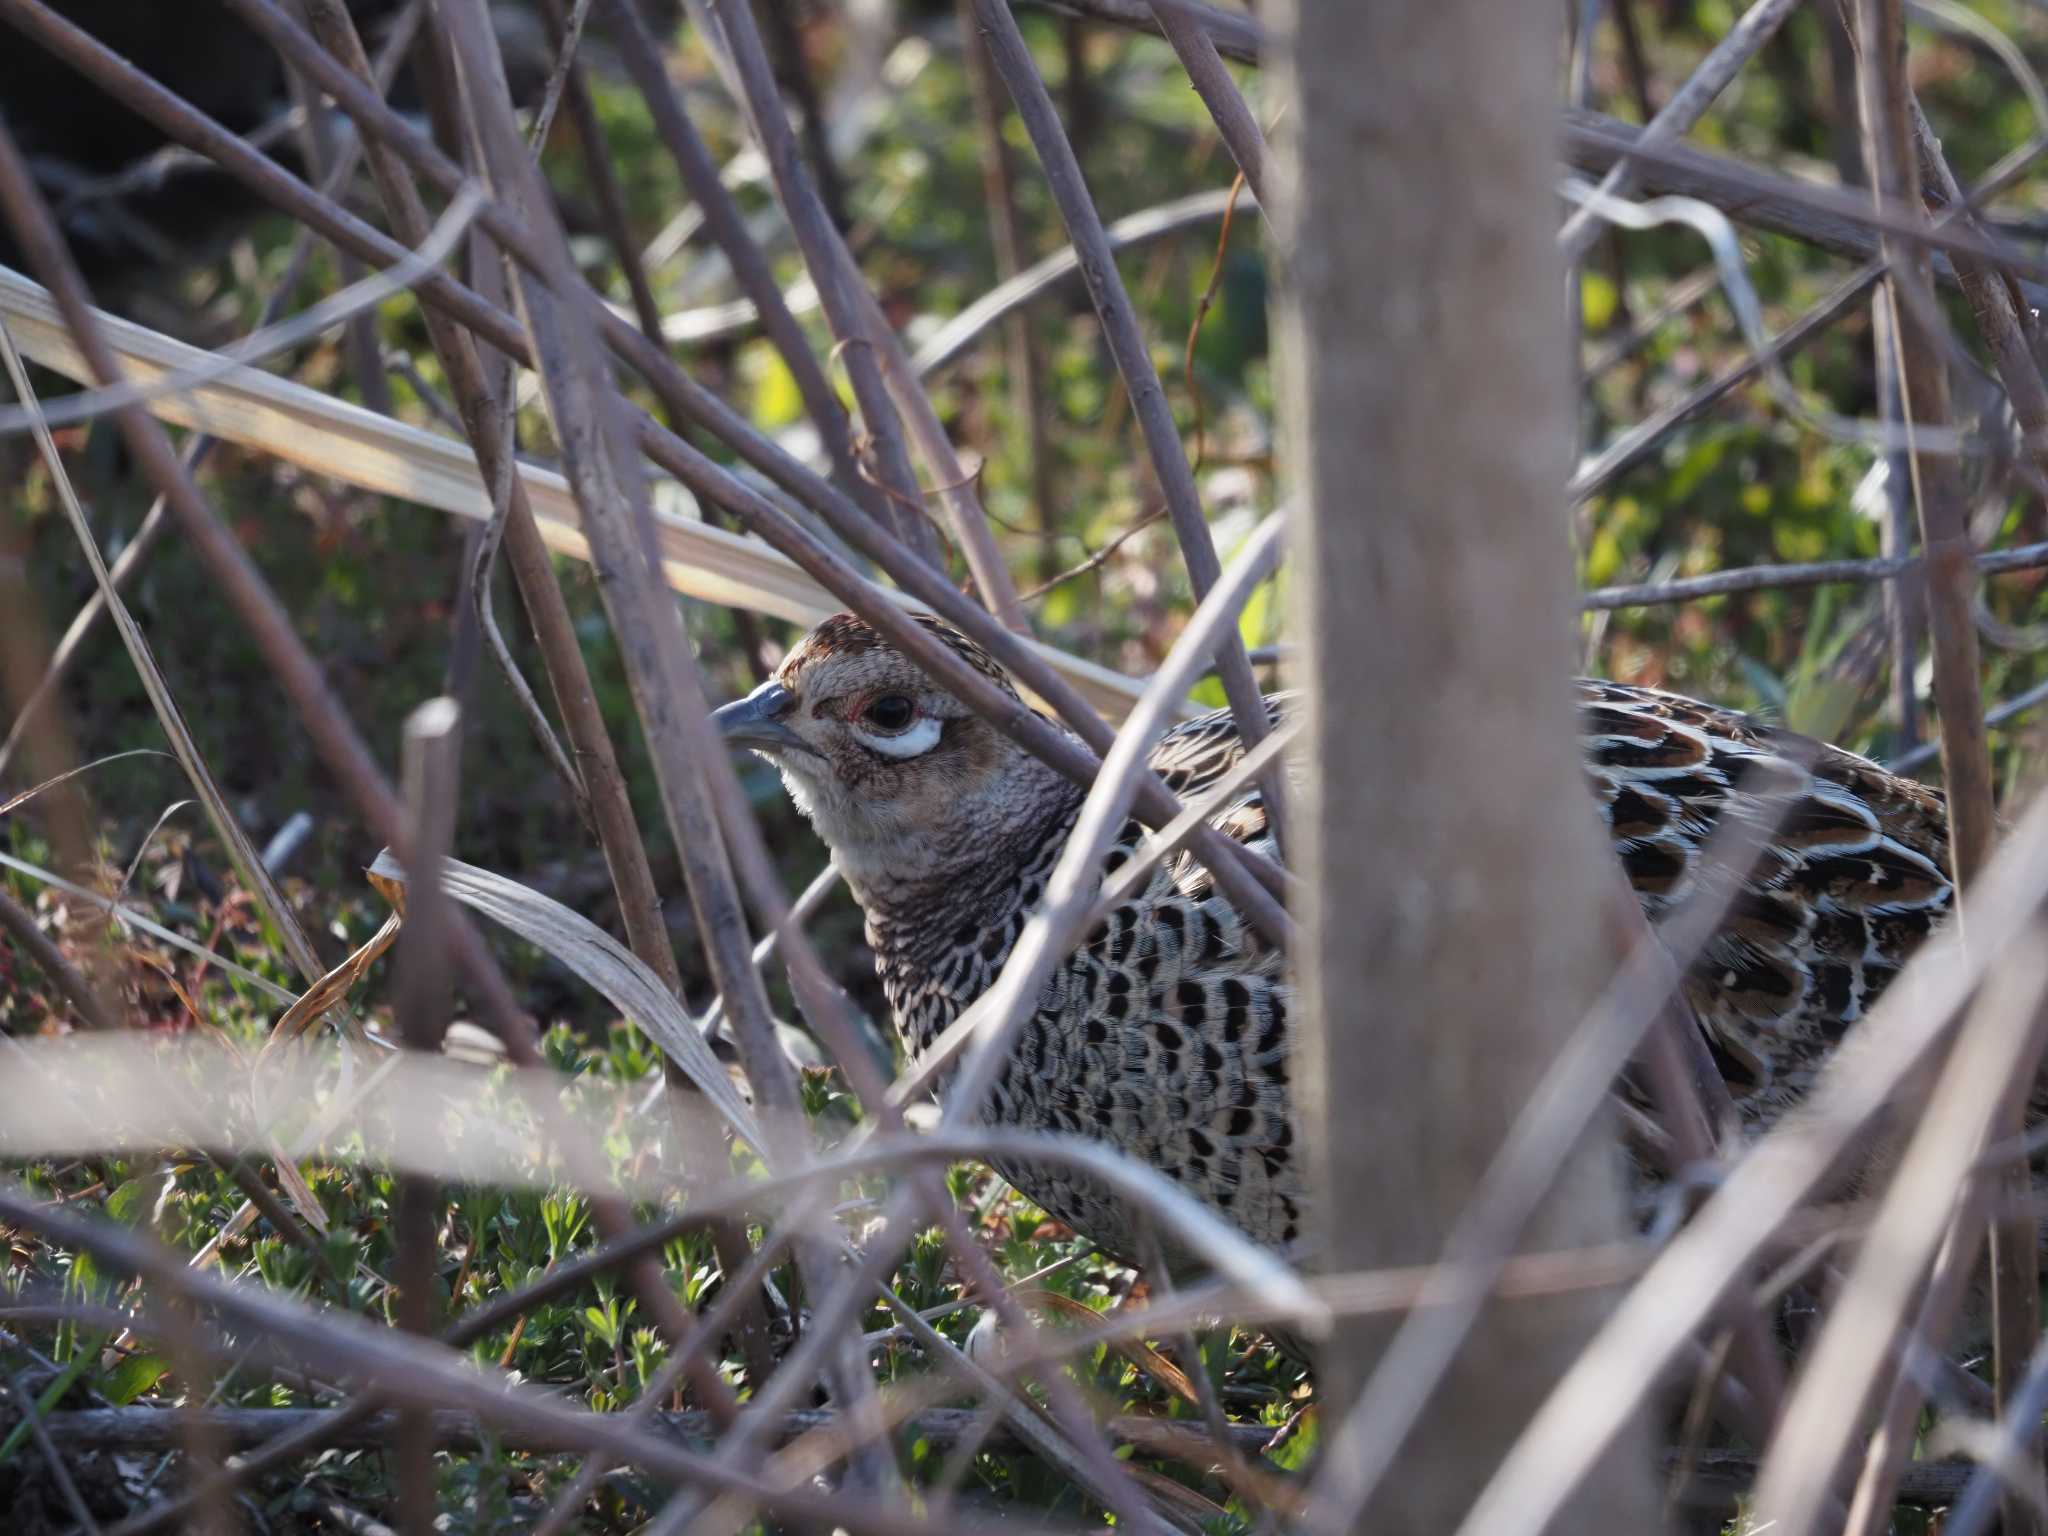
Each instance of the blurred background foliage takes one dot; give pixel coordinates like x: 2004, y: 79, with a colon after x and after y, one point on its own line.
x: 371, y: 581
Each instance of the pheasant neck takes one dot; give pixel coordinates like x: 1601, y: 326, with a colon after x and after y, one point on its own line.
x: 941, y: 933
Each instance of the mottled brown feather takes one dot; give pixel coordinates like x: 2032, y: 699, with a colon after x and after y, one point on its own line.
x: 1168, y: 1031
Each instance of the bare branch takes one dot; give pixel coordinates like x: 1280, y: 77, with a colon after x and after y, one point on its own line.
x: 1183, y: 26
x: 19, y: 924
x: 1688, y: 104
x: 1128, y: 348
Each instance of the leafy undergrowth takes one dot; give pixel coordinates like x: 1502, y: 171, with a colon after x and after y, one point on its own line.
x: 593, y: 1346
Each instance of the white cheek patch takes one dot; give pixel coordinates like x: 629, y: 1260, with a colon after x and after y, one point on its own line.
x: 922, y: 736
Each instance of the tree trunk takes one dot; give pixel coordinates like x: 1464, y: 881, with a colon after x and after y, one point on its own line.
x: 1455, y: 871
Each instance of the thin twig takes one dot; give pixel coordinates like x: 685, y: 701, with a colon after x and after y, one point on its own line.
x: 1927, y: 751
x: 1249, y: 881
x: 731, y: 32
x: 19, y: 924
x: 952, y: 340
x: 199, y: 446
x: 1026, y: 365
x: 666, y: 685
x: 1688, y: 104
x: 569, y: 37
x: 1898, y: 1421
x: 1886, y: 103
x: 1761, y: 578
x: 149, y: 1429
x: 641, y: 57
x: 53, y: 1458
x: 359, y: 336
x: 634, y: 883
x: 1202, y: 308
x: 1991, y: 299
x: 1097, y: 560
x: 1133, y: 360
x: 1234, y: 121
x: 2015, y: 1250
x: 882, y: 378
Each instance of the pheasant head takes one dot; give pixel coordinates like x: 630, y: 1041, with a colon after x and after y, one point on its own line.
x: 904, y: 783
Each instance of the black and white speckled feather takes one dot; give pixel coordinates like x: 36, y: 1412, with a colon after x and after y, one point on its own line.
x: 1167, y: 1032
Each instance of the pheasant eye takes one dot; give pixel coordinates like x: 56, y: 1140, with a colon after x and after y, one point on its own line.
x: 891, y: 712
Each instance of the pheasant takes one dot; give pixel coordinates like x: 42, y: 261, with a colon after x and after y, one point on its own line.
x: 1167, y: 1032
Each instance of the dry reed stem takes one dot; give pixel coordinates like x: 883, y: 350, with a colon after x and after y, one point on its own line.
x: 641, y: 58
x: 1761, y: 578
x: 1196, y: 50
x: 731, y: 33
x: 612, y: 216
x: 599, y: 783
x: 1127, y: 347
x: 667, y: 692
x: 883, y: 380
x: 1686, y: 106
x: 1892, y: 154
x: 1993, y: 303
x: 432, y: 772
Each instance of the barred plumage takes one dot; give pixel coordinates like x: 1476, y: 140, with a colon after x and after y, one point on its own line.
x: 1167, y: 1031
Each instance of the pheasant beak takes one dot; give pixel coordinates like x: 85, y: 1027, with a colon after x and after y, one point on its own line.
x: 756, y: 720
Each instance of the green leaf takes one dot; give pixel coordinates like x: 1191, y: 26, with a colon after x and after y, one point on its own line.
x: 129, y: 1202
x: 134, y: 1376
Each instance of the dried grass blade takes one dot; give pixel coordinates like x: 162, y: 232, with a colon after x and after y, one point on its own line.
x: 616, y: 972
x: 248, y: 863
x: 1137, y: 1351
x: 331, y: 988
x: 141, y: 924
x: 333, y: 438
x: 16, y: 801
